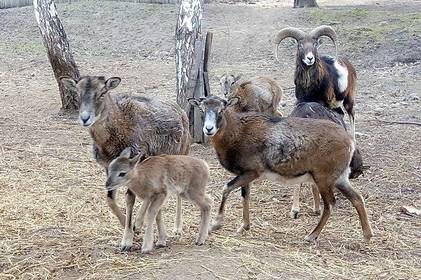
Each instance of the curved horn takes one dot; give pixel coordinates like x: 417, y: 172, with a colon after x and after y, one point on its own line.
x: 289, y: 32
x: 327, y: 31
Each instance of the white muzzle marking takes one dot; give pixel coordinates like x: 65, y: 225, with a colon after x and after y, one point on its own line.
x: 309, y: 59
x: 209, y: 126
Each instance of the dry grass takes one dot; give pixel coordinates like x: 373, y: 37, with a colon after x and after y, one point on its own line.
x: 54, y: 222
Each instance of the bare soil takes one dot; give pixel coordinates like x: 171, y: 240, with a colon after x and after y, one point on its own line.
x: 54, y: 221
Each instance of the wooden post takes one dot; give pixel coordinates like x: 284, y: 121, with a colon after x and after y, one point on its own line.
x: 305, y: 3
x: 58, y: 50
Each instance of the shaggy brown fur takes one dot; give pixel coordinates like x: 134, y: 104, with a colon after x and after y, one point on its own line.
x: 116, y: 122
x: 291, y: 150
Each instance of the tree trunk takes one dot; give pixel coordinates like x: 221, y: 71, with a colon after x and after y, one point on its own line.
x: 192, y: 55
x: 188, y: 42
x: 58, y: 50
x: 305, y: 3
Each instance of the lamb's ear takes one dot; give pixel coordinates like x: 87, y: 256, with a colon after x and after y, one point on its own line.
x: 137, y: 159
x: 126, y: 152
x: 68, y: 82
x: 112, y: 82
x: 232, y: 101
x: 194, y: 102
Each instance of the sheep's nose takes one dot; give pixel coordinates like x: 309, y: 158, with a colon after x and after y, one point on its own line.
x: 310, y: 58
x: 209, y: 128
x: 84, y: 119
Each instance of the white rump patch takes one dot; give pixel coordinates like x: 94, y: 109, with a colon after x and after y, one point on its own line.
x: 342, y: 76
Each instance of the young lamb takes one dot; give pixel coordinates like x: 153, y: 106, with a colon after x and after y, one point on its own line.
x: 152, y: 179
x: 119, y: 121
x: 316, y: 110
x: 322, y: 79
x: 259, y: 94
x: 291, y: 150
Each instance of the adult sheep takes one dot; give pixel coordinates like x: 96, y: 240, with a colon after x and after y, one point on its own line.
x: 119, y: 121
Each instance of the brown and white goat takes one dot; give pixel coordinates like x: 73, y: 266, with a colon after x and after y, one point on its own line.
x: 259, y: 94
x: 324, y: 79
x: 289, y: 150
x: 152, y: 179
x: 120, y: 121
x: 316, y: 110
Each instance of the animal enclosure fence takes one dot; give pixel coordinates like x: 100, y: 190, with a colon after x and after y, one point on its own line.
x: 4, y: 4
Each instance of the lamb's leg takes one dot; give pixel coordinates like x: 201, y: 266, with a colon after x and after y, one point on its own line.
x: 162, y: 233
x: 295, y: 209
x: 140, y: 217
x: 245, y: 194
x: 178, y: 224
x: 328, y: 201
x: 156, y: 203
x: 358, y: 202
x: 127, y: 241
x: 316, y: 199
x: 114, y: 207
x: 240, y: 180
x: 204, y: 203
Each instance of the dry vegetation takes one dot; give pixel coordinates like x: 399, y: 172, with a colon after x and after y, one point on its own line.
x: 54, y: 222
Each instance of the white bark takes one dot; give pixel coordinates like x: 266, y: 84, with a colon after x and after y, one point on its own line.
x: 188, y: 29
x: 58, y: 50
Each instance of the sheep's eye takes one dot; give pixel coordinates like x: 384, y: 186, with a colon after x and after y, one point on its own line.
x: 315, y: 44
x: 301, y: 46
x: 122, y: 174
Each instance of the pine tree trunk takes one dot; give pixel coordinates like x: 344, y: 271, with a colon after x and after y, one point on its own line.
x: 305, y: 3
x: 58, y: 50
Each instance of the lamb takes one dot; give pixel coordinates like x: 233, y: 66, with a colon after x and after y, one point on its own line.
x: 152, y: 179
x: 316, y: 110
x: 120, y: 121
x: 259, y: 94
x: 323, y: 79
x: 291, y: 150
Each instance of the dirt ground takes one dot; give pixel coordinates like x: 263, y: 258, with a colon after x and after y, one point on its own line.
x: 54, y: 221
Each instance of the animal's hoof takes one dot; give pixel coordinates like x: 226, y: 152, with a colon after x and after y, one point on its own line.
x: 311, y: 238
x: 215, y: 226
x: 146, y: 251
x: 161, y: 244
x: 125, y: 248
x: 368, y: 236
x: 177, y: 235
x: 294, y: 213
x: 243, y: 228
x: 200, y: 242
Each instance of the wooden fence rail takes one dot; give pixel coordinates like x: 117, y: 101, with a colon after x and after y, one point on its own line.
x: 4, y: 4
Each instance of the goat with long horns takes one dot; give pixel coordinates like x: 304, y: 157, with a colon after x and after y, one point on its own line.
x: 323, y: 79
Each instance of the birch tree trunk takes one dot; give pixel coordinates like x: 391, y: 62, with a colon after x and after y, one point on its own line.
x: 305, y: 3
x: 187, y: 45
x: 58, y: 50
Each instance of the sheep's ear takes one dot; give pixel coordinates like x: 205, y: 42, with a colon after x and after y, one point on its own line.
x: 232, y: 101
x: 238, y: 77
x: 68, y: 82
x: 194, y: 102
x: 112, y: 82
x: 126, y: 152
x: 319, y: 43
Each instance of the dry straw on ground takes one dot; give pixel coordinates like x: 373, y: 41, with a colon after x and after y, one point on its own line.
x: 54, y: 221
